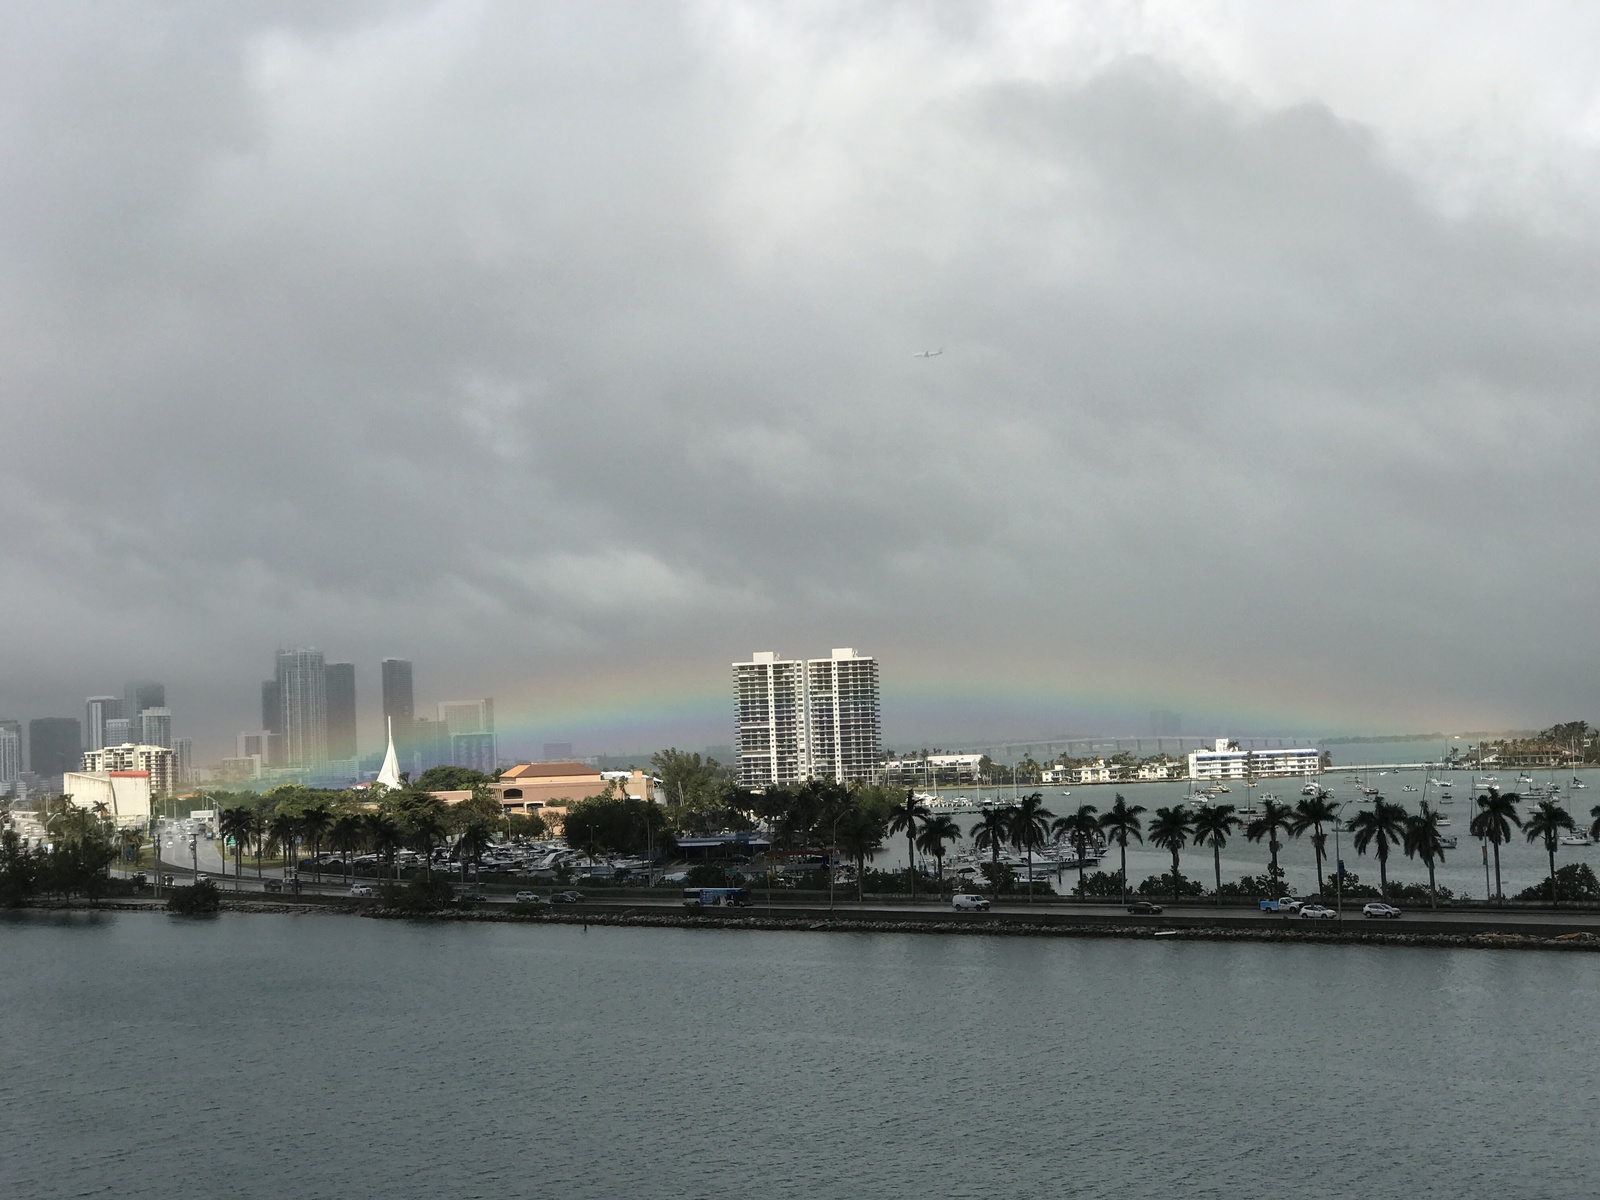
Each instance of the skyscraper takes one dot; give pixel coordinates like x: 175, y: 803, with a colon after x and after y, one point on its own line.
x: 770, y: 719
x: 816, y: 719
x: 469, y: 724
x: 303, y: 695
x: 341, y: 682
x: 140, y: 695
x: 96, y: 712
x: 55, y: 745
x: 10, y: 754
x: 842, y: 709
x: 119, y: 732
x: 399, y: 704
x: 271, y: 706
x: 155, y: 727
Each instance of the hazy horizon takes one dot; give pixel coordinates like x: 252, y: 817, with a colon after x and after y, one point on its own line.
x: 570, y: 352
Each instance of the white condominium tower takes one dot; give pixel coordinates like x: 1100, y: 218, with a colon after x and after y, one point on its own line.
x: 811, y: 719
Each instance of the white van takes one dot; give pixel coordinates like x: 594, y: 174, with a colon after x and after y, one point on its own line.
x: 967, y: 902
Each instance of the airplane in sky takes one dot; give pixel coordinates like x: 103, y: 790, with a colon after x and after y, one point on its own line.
x: 930, y: 353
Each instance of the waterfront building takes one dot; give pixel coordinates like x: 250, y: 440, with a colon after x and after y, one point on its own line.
x: 842, y: 709
x: 159, y: 763
x: 303, y: 706
x: 54, y: 744
x: 1226, y: 761
x: 934, y: 768
x: 548, y: 788
x: 121, y: 796
x: 341, y: 685
x: 806, y: 719
x: 155, y: 727
x: 97, y: 710
x: 770, y: 720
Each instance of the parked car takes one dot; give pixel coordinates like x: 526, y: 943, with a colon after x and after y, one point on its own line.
x: 362, y: 889
x: 1317, y: 912
x: 1144, y: 909
x: 530, y: 898
x: 471, y: 897
x: 1387, y: 912
x: 567, y: 898
x: 967, y: 902
x: 202, y: 877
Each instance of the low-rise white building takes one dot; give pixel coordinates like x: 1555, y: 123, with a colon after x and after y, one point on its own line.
x: 158, y: 762
x: 123, y: 796
x: 1227, y: 761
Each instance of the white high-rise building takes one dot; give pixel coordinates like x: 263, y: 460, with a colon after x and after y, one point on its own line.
x: 155, y: 727
x: 303, y: 705
x: 10, y: 757
x: 159, y: 762
x: 811, y: 719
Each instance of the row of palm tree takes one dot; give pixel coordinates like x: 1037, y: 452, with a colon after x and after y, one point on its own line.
x: 1498, y: 814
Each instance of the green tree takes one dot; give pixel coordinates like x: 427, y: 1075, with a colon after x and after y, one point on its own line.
x: 1312, y: 813
x: 315, y: 822
x: 1546, y: 823
x: 1382, y: 827
x: 235, y: 824
x: 385, y: 837
x: 860, y: 832
x: 1422, y: 839
x: 1030, y: 829
x: 424, y: 822
x: 1080, y: 828
x: 992, y: 831
x: 697, y: 790
x: 450, y: 779
x: 282, y: 830
x: 906, y: 817
x: 1119, y: 823
x: 1213, y: 825
x: 347, y: 836
x: 1170, y: 829
x: 937, y: 832
x: 1497, y: 813
x: 1274, y: 818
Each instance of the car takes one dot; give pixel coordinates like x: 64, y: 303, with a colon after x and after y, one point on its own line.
x: 471, y: 897
x: 530, y: 898
x: 1144, y: 909
x: 567, y: 898
x: 272, y: 885
x: 1387, y: 912
x: 967, y: 902
x: 361, y: 889
x: 1317, y: 912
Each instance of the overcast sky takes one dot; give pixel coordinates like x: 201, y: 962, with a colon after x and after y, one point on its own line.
x: 567, y: 350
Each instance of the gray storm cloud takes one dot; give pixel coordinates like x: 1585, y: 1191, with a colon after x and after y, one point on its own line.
x: 530, y: 340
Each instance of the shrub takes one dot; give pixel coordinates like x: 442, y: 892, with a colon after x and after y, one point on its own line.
x: 1575, y: 883
x: 421, y: 895
x: 1161, y: 885
x: 1100, y: 883
x: 202, y: 898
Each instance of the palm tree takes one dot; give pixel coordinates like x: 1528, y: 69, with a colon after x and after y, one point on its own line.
x: 860, y: 835
x: 424, y: 821
x: 1079, y: 827
x: 1120, y: 822
x: 1497, y: 813
x: 1381, y: 827
x: 1212, y: 826
x: 1313, y: 812
x: 1594, y: 828
x: 1423, y: 840
x: 1170, y: 829
x: 907, y: 818
x: 281, y: 834
x: 1030, y: 829
x: 992, y: 831
x: 1274, y: 817
x: 385, y: 835
x: 314, y: 823
x: 236, y: 823
x: 346, y: 836
x: 936, y: 832
x: 1547, y: 823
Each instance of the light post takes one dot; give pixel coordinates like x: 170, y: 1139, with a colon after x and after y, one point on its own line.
x: 194, y: 857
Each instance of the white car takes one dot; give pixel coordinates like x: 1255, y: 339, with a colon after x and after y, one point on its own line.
x: 1386, y: 911
x: 361, y: 889
x: 1316, y: 912
x: 530, y: 898
x: 967, y: 902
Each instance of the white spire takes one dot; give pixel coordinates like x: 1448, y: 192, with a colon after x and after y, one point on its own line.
x: 389, y: 776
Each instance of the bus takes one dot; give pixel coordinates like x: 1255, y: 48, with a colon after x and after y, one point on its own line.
x: 716, y: 897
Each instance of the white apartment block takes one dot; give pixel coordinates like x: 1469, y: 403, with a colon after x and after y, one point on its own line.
x: 158, y: 762
x: 123, y: 797
x: 806, y: 719
x: 1227, y: 761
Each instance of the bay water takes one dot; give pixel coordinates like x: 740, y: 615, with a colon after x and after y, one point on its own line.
x: 287, y: 1056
